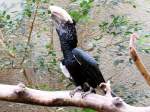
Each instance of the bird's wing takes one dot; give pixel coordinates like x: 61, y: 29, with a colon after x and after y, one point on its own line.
x: 83, y: 57
x: 90, y: 65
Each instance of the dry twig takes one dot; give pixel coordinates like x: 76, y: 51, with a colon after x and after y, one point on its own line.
x: 137, y: 60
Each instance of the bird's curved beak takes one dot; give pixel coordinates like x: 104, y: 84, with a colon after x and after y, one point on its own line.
x: 59, y: 15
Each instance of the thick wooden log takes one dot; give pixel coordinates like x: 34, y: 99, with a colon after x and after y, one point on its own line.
x: 21, y: 94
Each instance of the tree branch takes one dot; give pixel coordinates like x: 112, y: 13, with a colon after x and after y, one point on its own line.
x: 25, y: 70
x: 137, y: 60
x: 32, y: 24
x: 21, y: 94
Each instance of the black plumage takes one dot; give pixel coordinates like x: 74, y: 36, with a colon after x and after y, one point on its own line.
x: 82, y: 67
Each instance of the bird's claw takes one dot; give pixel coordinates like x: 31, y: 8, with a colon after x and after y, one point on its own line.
x: 84, y: 94
x: 72, y: 93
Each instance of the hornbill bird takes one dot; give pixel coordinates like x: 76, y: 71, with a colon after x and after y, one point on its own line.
x: 77, y: 65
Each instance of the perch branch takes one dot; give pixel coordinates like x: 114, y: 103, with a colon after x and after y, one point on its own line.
x: 137, y: 60
x: 21, y: 94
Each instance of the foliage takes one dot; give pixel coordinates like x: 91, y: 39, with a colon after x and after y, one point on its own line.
x: 81, y: 14
x: 20, y: 48
x: 47, y: 62
x: 30, y: 7
x: 7, y: 22
x: 4, y: 19
x: 88, y: 110
x: 119, y: 25
x: 130, y: 97
x: 44, y: 87
x: 83, y: 110
x: 143, y: 43
x: 117, y: 2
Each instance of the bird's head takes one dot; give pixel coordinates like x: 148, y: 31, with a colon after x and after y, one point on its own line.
x: 59, y: 15
x: 65, y: 27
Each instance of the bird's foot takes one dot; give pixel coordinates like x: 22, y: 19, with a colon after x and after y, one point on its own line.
x: 84, y: 94
x: 77, y: 89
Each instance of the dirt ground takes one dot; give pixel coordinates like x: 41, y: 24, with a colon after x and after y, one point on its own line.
x: 127, y: 82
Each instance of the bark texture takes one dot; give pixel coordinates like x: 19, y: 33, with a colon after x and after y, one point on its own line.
x: 21, y: 94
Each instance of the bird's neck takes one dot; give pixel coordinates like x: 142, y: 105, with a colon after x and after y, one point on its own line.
x: 67, y: 51
x: 68, y: 38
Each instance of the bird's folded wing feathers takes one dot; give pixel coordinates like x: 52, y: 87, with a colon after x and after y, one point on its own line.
x: 90, y: 65
x: 83, y: 58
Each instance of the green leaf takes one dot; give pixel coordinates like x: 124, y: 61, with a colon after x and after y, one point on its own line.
x: 44, y: 1
x: 75, y: 15
x: 33, y: 1
x: 4, y: 12
x: 8, y: 16
x: 117, y: 62
x: 28, y: 12
x: 88, y: 110
x: 81, y: 14
x: 49, y: 12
